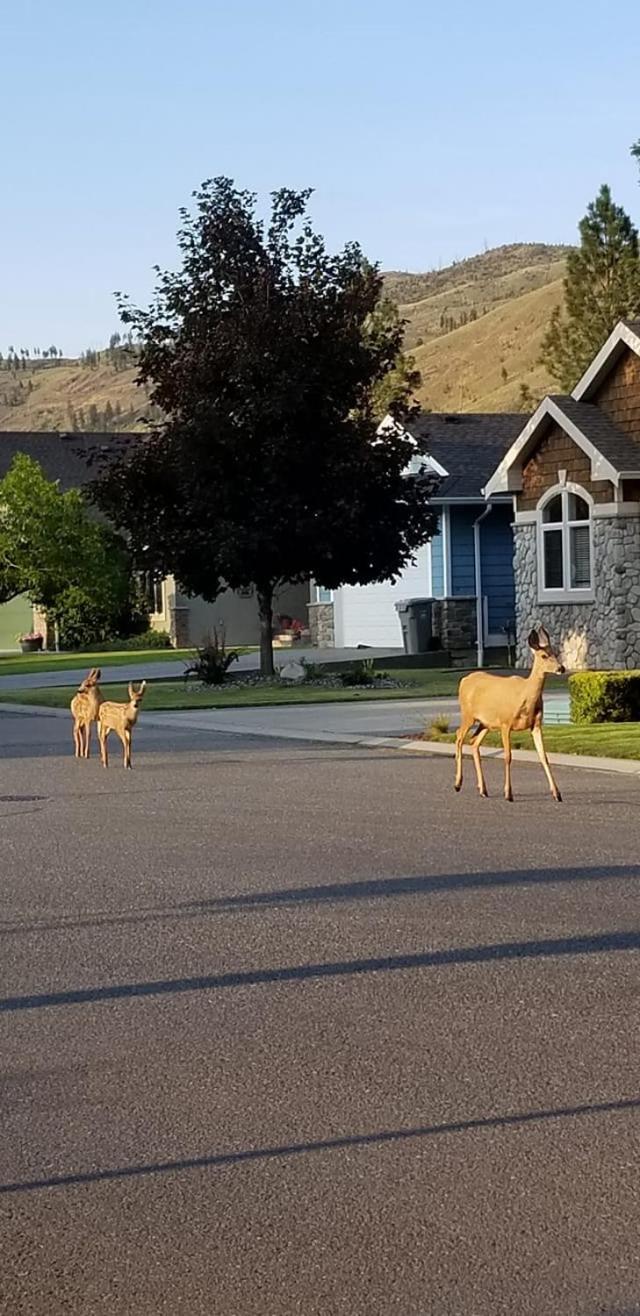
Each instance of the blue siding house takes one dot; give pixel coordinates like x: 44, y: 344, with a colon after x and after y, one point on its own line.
x: 468, y: 565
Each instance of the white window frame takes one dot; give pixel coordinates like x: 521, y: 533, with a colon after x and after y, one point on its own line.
x: 567, y: 594
x: 318, y: 590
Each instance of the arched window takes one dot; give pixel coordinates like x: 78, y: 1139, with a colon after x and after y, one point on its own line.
x: 565, y: 556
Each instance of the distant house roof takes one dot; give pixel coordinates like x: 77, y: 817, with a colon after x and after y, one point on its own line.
x: 468, y: 446
x: 63, y: 457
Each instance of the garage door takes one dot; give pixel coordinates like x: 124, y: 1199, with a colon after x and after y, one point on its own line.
x: 365, y: 614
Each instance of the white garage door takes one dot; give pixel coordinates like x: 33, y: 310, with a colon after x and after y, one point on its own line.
x: 365, y: 614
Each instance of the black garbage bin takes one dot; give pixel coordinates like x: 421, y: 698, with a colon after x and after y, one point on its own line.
x: 416, y: 622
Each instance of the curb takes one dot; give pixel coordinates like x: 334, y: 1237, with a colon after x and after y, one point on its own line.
x: 586, y: 762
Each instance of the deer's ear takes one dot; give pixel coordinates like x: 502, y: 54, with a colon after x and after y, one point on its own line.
x: 131, y: 691
x: 544, y: 638
x: 534, y: 642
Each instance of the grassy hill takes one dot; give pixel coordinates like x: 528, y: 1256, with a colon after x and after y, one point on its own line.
x: 475, y: 329
x: 67, y: 395
x: 483, y: 365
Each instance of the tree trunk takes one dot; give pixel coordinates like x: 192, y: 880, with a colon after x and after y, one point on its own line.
x: 265, y: 612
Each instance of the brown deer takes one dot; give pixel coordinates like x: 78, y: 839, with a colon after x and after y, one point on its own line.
x: 85, y: 707
x: 120, y: 718
x: 506, y: 704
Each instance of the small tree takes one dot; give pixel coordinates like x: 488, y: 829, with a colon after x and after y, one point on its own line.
x: 602, y: 286
x: 264, y: 354
x: 52, y: 550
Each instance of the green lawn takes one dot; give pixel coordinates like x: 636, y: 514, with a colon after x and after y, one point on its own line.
x: 615, y: 740
x: 163, y: 694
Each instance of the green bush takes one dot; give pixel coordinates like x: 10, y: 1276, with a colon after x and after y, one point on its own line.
x: 605, y: 697
x: 143, y: 640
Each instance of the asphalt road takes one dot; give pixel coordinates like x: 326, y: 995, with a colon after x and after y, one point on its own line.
x: 291, y: 1028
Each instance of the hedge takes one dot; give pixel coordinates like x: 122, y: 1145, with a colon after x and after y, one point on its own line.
x: 605, y: 697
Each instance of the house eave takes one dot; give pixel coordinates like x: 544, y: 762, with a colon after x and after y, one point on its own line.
x: 508, y: 476
x: 619, y: 339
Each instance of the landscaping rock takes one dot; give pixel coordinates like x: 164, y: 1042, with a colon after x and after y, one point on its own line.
x: 293, y: 672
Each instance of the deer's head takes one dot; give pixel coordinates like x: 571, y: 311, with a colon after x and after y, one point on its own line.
x: 135, y: 696
x: 91, y: 679
x: 545, y: 657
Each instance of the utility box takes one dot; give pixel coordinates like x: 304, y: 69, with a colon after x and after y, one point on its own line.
x: 417, y: 624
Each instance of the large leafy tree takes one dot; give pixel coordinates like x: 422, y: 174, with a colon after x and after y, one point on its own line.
x: 602, y: 286
x: 265, y: 355
x: 55, y: 552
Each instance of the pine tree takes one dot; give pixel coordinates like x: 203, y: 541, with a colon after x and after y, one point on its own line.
x: 94, y: 417
x: 526, y: 398
x: 108, y: 416
x: 602, y: 286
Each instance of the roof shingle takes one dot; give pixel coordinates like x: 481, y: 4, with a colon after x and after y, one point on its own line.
x: 469, y: 445
x: 618, y: 448
x: 63, y: 457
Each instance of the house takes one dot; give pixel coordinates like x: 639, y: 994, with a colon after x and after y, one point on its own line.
x: 468, y: 565
x: 67, y: 459
x: 573, y: 473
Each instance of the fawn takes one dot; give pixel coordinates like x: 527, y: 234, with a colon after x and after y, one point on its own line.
x: 85, y: 707
x: 506, y: 704
x: 120, y: 718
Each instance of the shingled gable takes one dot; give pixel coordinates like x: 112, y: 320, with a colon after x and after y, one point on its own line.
x: 613, y: 453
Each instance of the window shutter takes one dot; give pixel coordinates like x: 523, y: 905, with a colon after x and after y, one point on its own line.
x: 580, y: 557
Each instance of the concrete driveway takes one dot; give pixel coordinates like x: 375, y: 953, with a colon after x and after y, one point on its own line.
x: 290, y: 1028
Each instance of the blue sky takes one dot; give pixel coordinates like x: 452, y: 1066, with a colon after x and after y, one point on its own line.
x: 427, y: 131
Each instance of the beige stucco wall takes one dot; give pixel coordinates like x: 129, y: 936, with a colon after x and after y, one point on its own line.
x: 236, y: 613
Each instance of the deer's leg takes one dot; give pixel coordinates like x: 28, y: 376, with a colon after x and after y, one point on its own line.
x: 506, y: 744
x: 126, y: 741
x: 87, y: 739
x: 475, y: 750
x: 461, y: 734
x: 76, y: 741
x: 104, y: 753
x: 536, y: 732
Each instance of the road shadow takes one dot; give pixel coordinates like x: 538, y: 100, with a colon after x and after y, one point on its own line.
x: 322, y: 1145
x: 386, y: 887
x: 379, y: 888
x: 549, y: 948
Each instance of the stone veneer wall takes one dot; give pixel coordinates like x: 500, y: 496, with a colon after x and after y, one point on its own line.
x: 605, y: 633
x: 321, y: 625
x: 179, y: 627
x: 454, y: 622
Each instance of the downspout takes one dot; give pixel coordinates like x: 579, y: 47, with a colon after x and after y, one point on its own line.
x: 478, y: 567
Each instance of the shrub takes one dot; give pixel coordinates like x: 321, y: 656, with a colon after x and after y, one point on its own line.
x: 605, y: 697
x: 312, y: 671
x: 438, y: 727
x: 212, y: 662
x: 359, y: 673
x: 144, y: 640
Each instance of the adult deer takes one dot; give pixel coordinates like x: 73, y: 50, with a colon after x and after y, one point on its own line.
x: 506, y: 704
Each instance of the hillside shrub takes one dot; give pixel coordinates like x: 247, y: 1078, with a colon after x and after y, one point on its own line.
x: 605, y: 697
